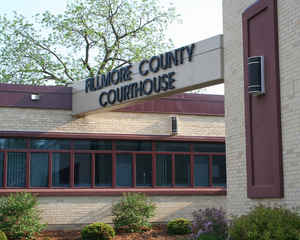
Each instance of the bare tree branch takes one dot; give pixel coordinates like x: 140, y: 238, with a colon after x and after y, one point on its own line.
x: 66, y: 71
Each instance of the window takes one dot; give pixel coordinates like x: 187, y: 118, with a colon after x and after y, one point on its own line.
x: 164, y: 169
x: 57, y: 144
x: 182, y: 170
x: 201, y: 170
x: 219, y: 171
x: 98, y: 163
x: 209, y: 147
x: 92, y: 145
x: 60, y: 169
x: 13, y: 143
x: 124, y: 170
x: 143, y: 169
x: 39, y: 170
x: 16, y: 169
x: 103, y: 169
x: 173, y: 147
x: 134, y: 145
x: 82, y: 169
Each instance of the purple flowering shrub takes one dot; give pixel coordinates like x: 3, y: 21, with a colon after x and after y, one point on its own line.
x: 209, y: 221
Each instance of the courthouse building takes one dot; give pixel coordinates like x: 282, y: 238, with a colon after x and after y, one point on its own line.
x: 135, y: 130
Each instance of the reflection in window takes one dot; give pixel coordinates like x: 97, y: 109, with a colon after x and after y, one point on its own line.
x: 82, y: 169
x: 16, y: 169
x: 124, y: 170
x: 182, y: 170
x: 103, y: 169
x: 173, y: 146
x: 60, y: 169
x: 209, y: 147
x: 13, y: 143
x: 163, y: 170
x: 143, y: 169
x: 39, y: 166
x: 201, y: 170
x: 93, y: 144
x: 219, y: 171
x: 134, y: 145
x: 53, y: 144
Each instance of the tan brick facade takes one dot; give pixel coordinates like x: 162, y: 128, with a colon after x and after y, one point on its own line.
x: 83, y: 210
x: 80, y: 210
x: 289, y: 58
x: 21, y: 119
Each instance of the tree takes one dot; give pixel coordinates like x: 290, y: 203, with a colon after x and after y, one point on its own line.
x: 91, y: 37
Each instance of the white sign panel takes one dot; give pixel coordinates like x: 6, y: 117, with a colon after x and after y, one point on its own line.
x: 193, y: 66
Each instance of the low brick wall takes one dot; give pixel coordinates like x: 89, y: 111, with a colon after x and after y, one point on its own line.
x: 75, y: 212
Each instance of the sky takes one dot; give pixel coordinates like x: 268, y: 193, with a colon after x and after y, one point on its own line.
x: 200, y: 19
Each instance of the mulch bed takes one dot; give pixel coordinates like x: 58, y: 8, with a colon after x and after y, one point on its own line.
x: 158, y: 232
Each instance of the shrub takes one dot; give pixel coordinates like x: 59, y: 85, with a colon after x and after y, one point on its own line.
x: 266, y: 223
x: 2, y: 236
x: 211, y: 222
x: 208, y: 236
x: 179, y: 226
x: 133, y: 212
x: 97, y: 231
x: 19, y: 217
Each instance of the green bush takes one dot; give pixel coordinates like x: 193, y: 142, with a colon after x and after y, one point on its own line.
x: 208, y: 236
x: 179, y: 226
x: 19, y: 218
x: 97, y: 231
x: 132, y: 213
x: 2, y: 236
x: 266, y: 223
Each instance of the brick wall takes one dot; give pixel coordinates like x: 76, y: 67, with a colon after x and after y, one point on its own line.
x: 21, y: 119
x: 64, y: 211
x: 289, y: 57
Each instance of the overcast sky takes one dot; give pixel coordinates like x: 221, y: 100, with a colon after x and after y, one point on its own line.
x: 201, y: 19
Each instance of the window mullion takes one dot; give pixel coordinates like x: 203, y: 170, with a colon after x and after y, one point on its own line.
x: 5, y: 170
x: 93, y: 170
x: 50, y: 170
x: 173, y: 170
x: 134, y: 170
x: 72, y: 169
x: 153, y: 165
x: 28, y: 169
x: 210, y: 171
x: 114, y: 164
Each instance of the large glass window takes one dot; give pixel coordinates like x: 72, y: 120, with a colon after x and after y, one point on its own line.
x: 103, y: 169
x: 182, y: 170
x: 61, y: 169
x: 219, y: 171
x: 110, y: 163
x: 16, y: 169
x: 39, y: 166
x: 124, y: 170
x: 144, y: 169
x: 82, y: 169
x: 1, y: 168
x: 163, y: 170
x: 201, y: 170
